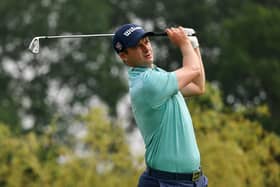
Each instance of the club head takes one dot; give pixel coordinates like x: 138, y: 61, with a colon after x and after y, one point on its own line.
x: 34, y: 45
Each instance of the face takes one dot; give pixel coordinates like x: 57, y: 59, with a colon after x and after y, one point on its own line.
x: 139, y: 55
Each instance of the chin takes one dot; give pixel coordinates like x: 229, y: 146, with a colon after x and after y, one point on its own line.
x: 151, y: 60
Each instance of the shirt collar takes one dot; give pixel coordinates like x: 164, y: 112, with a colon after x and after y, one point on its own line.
x: 139, y: 68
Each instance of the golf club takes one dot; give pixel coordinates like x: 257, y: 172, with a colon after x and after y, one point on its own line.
x: 34, y: 45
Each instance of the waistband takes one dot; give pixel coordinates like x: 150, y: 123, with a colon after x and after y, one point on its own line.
x: 174, y: 176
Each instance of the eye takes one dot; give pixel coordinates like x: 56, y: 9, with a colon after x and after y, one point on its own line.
x: 146, y: 40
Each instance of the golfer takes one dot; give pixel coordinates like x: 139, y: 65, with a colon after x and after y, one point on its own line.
x: 172, y: 156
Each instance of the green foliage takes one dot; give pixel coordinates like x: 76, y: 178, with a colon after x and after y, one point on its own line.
x: 20, y: 161
x: 235, y: 151
x: 31, y: 85
x: 251, y: 41
x: 32, y: 160
x: 239, y: 41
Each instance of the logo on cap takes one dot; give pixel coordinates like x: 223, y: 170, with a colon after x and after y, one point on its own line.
x: 131, y: 30
x: 118, y: 46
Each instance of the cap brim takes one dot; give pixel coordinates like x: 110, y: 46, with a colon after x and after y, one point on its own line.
x: 149, y: 34
x: 135, y: 41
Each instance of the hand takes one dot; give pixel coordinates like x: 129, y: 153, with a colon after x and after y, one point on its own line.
x: 178, y: 36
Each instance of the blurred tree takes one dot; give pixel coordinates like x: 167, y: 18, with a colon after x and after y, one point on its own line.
x: 68, y: 73
x: 249, y: 47
x: 103, y: 160
x: 234, y: 150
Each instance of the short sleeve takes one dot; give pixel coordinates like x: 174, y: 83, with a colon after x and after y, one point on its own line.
x: 160, y: 86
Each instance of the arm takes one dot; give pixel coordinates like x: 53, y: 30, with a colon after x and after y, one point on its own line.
x: 191, y: 62
x: 197, y: 86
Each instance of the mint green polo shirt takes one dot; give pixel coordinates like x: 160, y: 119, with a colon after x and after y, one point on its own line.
x: 164, y: 120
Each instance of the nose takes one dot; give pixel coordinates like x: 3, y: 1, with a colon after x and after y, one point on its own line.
x: 145, y: 47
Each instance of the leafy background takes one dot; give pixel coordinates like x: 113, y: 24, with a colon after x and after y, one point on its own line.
x: 65, y: 114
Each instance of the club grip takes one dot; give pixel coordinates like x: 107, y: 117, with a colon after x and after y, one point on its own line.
x: 188, y: 31
x: 159, y: 34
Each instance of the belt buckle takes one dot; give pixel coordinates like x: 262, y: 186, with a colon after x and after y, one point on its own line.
x: 195, y: 176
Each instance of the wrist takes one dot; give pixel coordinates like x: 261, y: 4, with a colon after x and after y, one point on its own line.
x: 186, y: 48
x: 194, y: 41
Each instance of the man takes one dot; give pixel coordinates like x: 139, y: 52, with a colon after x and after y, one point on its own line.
x: 172, y: 156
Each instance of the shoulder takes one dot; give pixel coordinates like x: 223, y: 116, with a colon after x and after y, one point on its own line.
x: 150, y: 78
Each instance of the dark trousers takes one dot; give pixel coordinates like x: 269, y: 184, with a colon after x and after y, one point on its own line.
x: 146, y: 180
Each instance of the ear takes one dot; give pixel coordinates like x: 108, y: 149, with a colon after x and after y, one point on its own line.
x: 123, y: 55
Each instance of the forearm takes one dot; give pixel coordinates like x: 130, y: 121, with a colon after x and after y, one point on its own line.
x: 190, y: 62
x: 190, y: 59
x: 197, y: 86
x: 200, y: 80
x: 190, y: 66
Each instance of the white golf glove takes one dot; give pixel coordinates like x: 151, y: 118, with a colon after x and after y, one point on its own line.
x: 194, y: 41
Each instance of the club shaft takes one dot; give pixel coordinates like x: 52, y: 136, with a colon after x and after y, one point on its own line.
x: 75, y: 36
x: 34, y: 45
x: 91, y: 35
x: 87, y: 35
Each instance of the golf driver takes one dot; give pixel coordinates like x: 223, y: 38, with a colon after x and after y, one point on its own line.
x: 34, y: 45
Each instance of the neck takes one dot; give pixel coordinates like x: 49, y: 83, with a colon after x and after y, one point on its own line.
x: 145, y: 66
